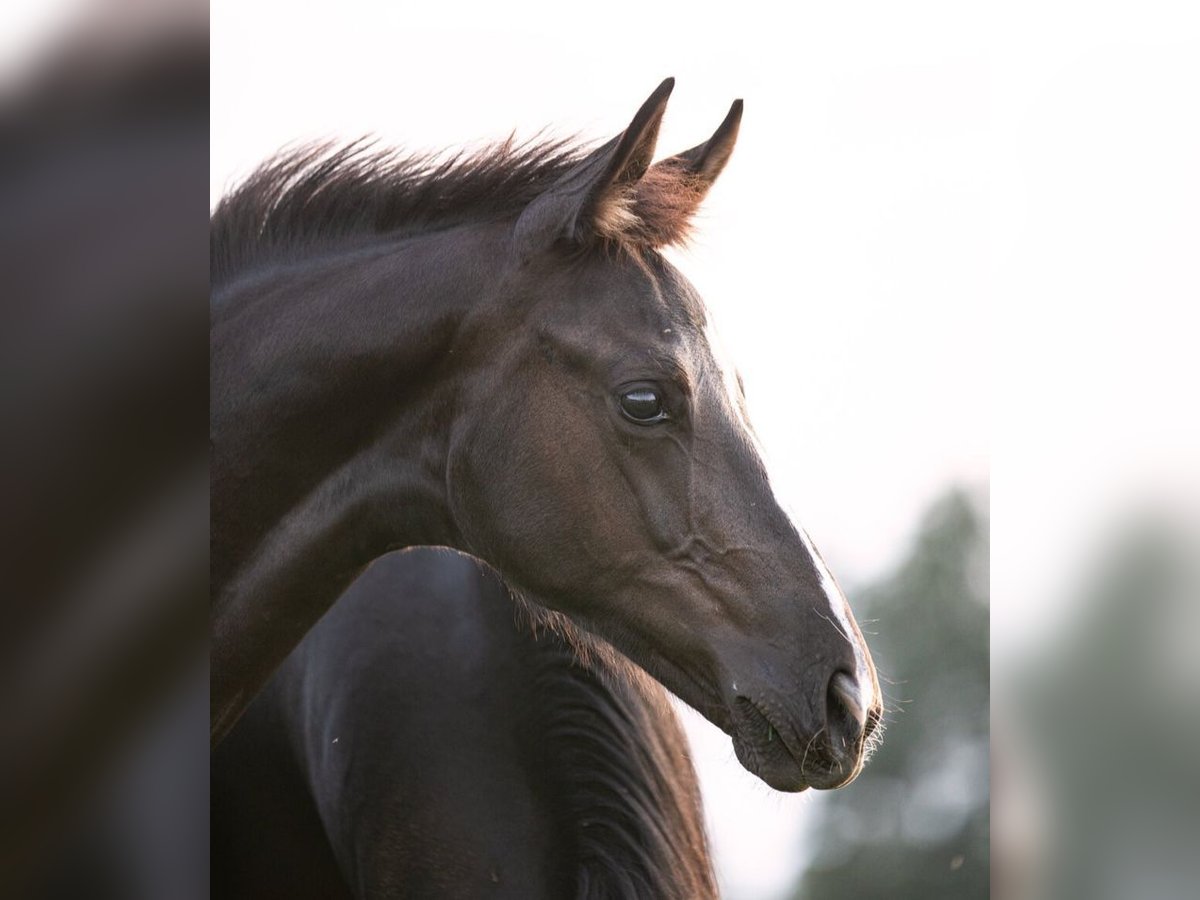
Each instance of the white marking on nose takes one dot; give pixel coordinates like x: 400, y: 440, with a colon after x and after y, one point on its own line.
x: 849, y: 692
x: 840, y: 607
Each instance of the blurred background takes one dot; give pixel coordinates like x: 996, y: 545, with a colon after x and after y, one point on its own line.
x: 954, y: 257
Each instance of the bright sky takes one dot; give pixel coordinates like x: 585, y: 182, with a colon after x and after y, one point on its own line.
x: 844, y: 252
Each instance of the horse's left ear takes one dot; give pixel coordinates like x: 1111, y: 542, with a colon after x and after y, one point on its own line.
x: 705, y: 161
x: 594, y: 198
x: 667, y: 198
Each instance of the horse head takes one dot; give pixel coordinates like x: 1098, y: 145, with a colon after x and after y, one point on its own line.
x: 611, y: 473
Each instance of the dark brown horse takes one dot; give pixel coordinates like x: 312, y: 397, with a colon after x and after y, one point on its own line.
x: 417, y: 744
x: 490, y: 353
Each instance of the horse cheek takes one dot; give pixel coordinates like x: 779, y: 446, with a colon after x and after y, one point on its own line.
x: 507, y: 495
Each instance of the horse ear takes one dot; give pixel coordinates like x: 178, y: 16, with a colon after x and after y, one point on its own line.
x: 704, y: 162
x: 595, y: 197
x: 669, y: 195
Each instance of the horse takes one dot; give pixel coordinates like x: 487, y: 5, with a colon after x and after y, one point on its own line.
x: 418, y: 743
x: 489, y: 352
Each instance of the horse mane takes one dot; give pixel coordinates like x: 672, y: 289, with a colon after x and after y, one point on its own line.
x: 624, y: 788
x: 326, y: 194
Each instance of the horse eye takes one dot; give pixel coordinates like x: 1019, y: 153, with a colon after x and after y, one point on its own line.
x: 643, y: 405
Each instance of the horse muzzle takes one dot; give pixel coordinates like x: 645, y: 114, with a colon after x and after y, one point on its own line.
x: 792, y: 754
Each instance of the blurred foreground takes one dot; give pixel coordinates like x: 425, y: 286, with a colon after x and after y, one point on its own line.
x: 103, y: 399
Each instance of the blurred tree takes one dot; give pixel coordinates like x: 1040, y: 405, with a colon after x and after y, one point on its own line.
x: 1111, y: 713
x: 915, y: 823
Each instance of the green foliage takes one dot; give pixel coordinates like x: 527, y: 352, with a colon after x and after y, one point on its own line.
x: 915, y: 823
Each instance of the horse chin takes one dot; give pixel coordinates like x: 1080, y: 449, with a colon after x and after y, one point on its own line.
x: 771, y: 762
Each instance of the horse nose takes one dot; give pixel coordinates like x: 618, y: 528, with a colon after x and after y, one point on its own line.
x: 846, y: 714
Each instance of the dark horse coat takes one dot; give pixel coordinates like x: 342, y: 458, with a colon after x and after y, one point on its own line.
x: 420, y: 743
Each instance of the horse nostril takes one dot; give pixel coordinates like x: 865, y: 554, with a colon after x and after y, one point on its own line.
x: 845, y: 714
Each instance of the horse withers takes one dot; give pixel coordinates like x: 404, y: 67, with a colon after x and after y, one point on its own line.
x: 489, y: 352
x: 419, y: 743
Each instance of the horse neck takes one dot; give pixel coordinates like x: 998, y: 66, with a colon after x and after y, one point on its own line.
x: 332, y: 386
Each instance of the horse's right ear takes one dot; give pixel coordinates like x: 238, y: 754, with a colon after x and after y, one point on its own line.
x: 593, y: 199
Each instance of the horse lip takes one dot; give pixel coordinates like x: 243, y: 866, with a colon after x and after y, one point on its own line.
x: 751, y: 739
